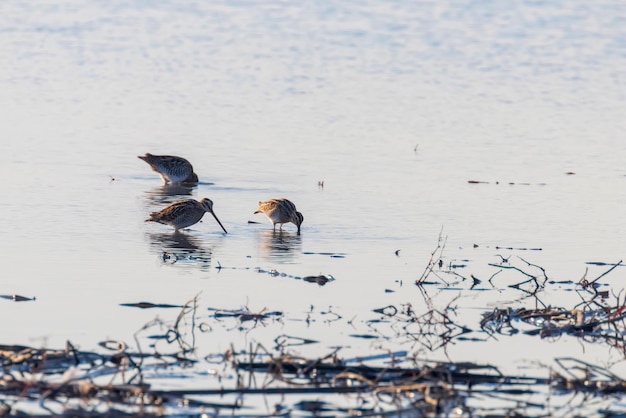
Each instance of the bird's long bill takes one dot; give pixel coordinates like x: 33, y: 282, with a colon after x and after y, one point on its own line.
x: 218, y: 221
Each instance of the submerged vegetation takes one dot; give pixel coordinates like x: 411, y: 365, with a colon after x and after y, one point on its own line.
x: 166, y: 373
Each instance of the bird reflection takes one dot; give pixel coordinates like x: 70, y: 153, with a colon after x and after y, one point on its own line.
x: 167, y: 193
x: 279, y: 246
x: 182, y: 249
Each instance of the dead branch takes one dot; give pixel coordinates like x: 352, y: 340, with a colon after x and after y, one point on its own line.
x: 435, y: 257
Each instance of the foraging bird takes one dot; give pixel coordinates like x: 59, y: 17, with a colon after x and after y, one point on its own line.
x: 172, y: 169
x: 281, y: 211
x: 184, y: 213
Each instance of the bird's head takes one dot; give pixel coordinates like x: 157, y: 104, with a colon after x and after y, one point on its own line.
x: 207, y: 204
x: 299, y: 219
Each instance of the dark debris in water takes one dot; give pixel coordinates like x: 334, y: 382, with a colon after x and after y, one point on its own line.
x: 283, y: 341
x: 18, y: 298
x: 497, y: 247
x: 507, y: 247
x: 319, y: 279
x: 328, y: 254
x: 390, y: 310
x: 603, y: 263
x: 599, y: 323
x: 245, y: 315
x: 149, y: 305
x: 535, y: 278
x: 364, y: 336
x: 118, y: 381
x: 510, y: 183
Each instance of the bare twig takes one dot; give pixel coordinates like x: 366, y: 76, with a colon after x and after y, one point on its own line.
x: 435, y: 257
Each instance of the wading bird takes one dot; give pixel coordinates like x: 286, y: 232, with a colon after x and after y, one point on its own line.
x: 184, y: 213
x: 175, y: 170
x: 281, y: 211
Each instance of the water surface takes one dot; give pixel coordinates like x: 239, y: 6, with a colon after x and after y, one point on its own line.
x: 394, y: 106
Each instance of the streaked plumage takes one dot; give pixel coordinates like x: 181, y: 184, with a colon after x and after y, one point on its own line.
x: 172, y: 169
x: 184, y: 213
x: 281, y: 211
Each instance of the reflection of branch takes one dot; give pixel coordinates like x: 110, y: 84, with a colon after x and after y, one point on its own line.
x: 494, y: 275
x: 585, y: 284
x: 185, y: 347
x: 545, y: 277
x: 513, y: 268
x: 619, y: 263
x: 532, y: 277
x: 435, y: 330
x: 283, y: 341
x: 591, y: 379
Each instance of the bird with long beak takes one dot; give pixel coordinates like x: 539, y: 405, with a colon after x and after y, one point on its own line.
x: 184, y: 213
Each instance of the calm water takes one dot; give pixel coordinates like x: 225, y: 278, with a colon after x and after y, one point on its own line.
x: 393, y: 105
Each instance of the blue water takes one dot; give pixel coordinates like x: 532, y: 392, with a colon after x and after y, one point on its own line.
x: 395, y: 106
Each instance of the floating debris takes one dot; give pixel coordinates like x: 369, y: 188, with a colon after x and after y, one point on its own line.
x: 332, y: 255
x: 497, y: 247
x: 364, y: 336
x: 290, y: 341
x: 599, y: 324
x: 603, y: 263
x: 510, y: 183
x: 418, y: 388
x: 149, y: 305
x: 320, y: 279
x: 126, y: 380
x: 18, y: 298
x: 245, y: 314
x: 387, y: 310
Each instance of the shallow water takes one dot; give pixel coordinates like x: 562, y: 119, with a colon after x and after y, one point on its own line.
x: 394, y: 106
